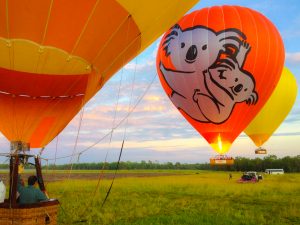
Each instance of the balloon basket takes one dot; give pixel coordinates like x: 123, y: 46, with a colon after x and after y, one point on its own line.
x: 33, y: 214
x: 221, y: 160
x: 11, y: 212
x: 261, y: 151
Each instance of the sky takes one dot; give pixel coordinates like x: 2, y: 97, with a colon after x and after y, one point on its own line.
x: 154, y: 129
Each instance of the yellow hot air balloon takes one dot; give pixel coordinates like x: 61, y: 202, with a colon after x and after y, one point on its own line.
x: 275, y: 110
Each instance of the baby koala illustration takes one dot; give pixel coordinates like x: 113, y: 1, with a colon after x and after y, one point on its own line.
x: 227, y: 84
x: 205, y: 84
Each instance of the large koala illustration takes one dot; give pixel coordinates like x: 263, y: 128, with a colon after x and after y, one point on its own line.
x: 208, y: 79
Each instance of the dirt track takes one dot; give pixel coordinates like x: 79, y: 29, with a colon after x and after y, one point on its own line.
x: 50, y: 177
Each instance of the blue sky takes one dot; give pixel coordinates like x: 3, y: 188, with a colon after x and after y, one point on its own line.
x: 155, y: 130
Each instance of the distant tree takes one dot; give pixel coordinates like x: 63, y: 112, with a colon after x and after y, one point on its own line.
x: 288, y: 163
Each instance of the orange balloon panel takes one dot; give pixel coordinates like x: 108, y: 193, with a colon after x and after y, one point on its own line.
x: 36, y: 115
x: 219, y: 66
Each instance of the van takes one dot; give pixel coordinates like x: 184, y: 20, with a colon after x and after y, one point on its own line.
x: 274, y: 171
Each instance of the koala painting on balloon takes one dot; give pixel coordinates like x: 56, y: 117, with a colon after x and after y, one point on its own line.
x: 207, y: 78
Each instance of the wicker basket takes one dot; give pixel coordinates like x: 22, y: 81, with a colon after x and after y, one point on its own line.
x: 36, y: 214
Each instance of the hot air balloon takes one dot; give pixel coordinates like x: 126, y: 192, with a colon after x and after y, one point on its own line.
x: 54, y: 56
x: 219, y: 66
x: 274, y: 111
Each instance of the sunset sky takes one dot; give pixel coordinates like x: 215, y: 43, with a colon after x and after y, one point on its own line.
x: 155, y: 130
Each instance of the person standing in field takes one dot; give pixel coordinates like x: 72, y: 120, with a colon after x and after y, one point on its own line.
x: 230, y: 176
x: 2, y: 191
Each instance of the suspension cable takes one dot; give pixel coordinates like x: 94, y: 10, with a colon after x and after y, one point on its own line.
x: 116, y: 126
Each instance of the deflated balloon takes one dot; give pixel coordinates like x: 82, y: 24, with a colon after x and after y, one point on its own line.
x: 55, y: 55
x: 275, y: 110
x: 219, y: 66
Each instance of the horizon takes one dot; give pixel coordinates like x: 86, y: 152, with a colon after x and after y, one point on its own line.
x: 150, y: 132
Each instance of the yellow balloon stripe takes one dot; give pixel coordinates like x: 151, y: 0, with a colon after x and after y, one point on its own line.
x: 28, y: 56
x: 151, y: 20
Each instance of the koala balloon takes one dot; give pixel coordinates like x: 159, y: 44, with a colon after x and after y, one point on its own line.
x: 208, y: 78
x: 219, y: 65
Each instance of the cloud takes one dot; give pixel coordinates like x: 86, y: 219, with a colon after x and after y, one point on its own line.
x: 287, y: 134
x: 293, y: 58
x: 133, y: 66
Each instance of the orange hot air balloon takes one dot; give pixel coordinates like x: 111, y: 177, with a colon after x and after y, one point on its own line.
x: 219, y: 66
x: 55, y: 55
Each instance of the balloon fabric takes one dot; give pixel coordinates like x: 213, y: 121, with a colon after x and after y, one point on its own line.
x: 275, y: 110
x: 56, y: 55
x: 219, y: 66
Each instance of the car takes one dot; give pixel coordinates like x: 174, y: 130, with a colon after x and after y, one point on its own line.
x: 252, y: 173
x: 250, y: 177
x: 246, y: 178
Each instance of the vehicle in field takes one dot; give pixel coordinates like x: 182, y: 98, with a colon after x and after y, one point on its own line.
x: 250, y: 177
x: 274, y: 171
x: 247, y: 179
x: 252, y: 174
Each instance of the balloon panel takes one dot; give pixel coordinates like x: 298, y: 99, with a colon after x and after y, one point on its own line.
x: 219, y: 68
x: 55, y: 55
x: 34, y: 115
x: 275, y: 110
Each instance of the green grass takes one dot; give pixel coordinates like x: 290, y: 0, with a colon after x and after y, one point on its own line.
x: 204, y: 198
x: 124, y: 171
x: 45, y: 171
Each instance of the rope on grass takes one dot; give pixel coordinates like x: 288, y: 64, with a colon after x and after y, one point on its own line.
x: 113, y: 180
x: 111, y: 134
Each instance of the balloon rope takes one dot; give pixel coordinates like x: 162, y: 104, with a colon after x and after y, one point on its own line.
x: 124, y: 137
x: 47, y: 172
x: 116, y: 106
x: 114, y: 120
x: 56, y: 148
x: 119, y: 124
x: 112, y: 36
x: 47, y: 22
x: 111, y: 133
x: 113, y: 180
x: 76, y: 142
x: 74, y: 149
x: 53, y: 174
x: 113, y: 124
x: 85, y: 26
x: 7, y: 23
x: 131, y: 97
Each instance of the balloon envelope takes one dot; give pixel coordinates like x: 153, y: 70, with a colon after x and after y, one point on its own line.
x: 219, y: 66
x: 55, y: 55
x: 275, y: 110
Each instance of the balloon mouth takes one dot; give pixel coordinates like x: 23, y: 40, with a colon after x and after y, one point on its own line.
x: 220, y: 146
x: 41, y: 86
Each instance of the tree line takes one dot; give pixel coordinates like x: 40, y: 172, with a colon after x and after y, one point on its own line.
x: 288, y: 163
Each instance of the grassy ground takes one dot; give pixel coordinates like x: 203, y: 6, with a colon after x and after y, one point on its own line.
x: 182, y: 199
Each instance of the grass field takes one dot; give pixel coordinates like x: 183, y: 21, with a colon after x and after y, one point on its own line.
x: 185, y: 197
